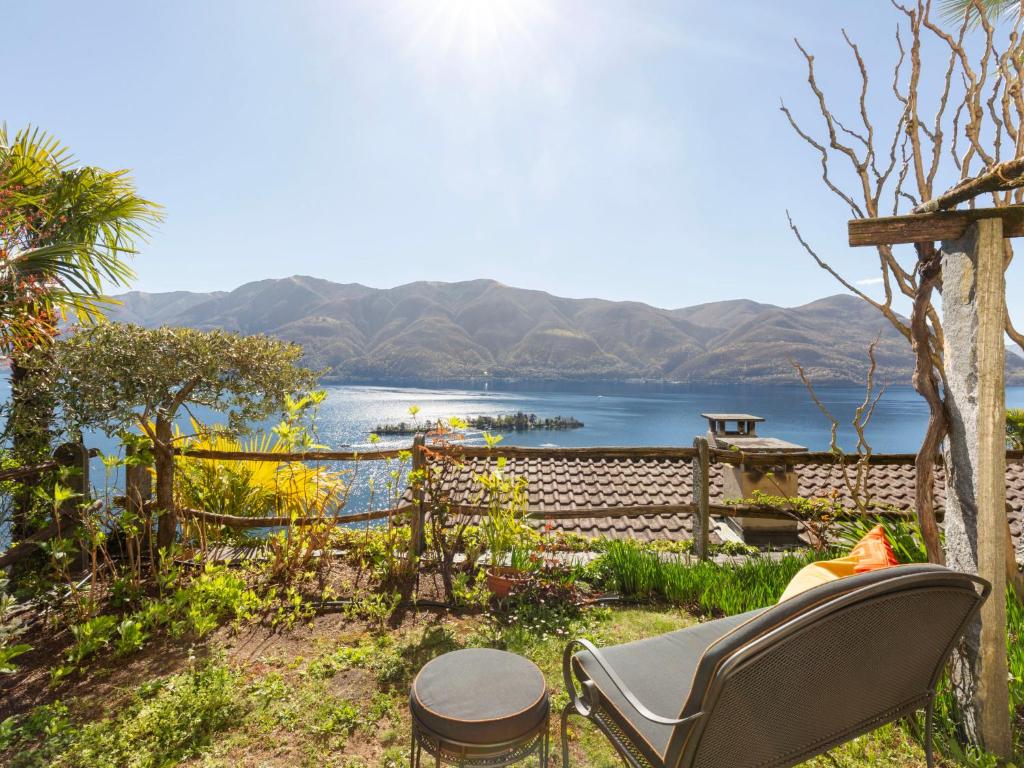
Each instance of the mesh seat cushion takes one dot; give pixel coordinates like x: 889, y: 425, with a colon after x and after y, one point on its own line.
x: 479, y: 696
x: 659, y: 671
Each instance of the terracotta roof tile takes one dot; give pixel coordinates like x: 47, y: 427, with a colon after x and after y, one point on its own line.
x: 611, y: 482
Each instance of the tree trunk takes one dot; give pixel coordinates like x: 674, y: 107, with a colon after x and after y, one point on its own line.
x: 925, y: 381
x: 163, y: 457
x: 974, y: 312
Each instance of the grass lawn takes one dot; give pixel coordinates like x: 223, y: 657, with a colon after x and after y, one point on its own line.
x: 330, y: 692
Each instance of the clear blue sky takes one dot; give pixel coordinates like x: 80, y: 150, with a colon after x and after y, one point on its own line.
x: 628, y: 150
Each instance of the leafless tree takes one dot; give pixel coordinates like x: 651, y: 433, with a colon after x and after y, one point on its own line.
x: 966, y: 133
x: 949, y: 144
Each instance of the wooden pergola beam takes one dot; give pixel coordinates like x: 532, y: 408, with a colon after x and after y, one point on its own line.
x: 931, y: 227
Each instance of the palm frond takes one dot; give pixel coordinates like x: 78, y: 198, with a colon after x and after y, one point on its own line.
x: 957, y: 10
x: 66, y: 232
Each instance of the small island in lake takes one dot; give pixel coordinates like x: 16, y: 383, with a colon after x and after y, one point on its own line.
x: 511, y: 422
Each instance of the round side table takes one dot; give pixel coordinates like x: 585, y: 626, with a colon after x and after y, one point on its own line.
x: 479, y: 708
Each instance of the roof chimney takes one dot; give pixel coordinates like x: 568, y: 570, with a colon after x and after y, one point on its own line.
x: 738, y: 432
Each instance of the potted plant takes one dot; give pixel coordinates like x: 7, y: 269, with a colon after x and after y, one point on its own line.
x: 504, y: 530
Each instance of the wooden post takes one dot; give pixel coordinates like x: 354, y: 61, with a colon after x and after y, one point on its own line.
x: 138, y: 488
x: 138, y: 485
x: 75, y: 457
x: 417, y: 525
x: 974, y: 317
x: 701, y: 497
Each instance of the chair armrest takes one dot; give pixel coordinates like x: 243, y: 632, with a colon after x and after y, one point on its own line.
x: 584, y: 701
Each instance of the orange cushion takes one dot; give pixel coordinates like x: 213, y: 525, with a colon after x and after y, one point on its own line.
x: 870, y: 553
x: 873, y: 551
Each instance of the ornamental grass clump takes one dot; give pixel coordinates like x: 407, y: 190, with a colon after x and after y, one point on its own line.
x: 706, y: 587
x: 725, y: 589
x: 631, y: 570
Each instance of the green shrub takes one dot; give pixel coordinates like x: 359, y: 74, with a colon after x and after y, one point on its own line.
x: 130, y: 636
x: 216, y: 595
x: 91, y: 636
x: 330, y: 664
x: 335, y: 717
x: 168, y: 721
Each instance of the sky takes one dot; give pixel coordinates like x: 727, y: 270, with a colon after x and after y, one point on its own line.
x: 618, y: 149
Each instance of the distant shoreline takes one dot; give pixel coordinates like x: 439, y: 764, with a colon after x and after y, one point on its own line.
x: 604, y: 387
x: 574, y: 384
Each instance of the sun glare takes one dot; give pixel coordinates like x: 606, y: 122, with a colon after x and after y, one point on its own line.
x: 477, y: 30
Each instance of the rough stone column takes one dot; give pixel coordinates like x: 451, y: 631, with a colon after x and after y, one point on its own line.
x: 974, y: 311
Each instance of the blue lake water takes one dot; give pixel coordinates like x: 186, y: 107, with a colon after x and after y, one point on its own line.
x: 613, y: 415
x: 624, y: 416
x: 618, y: 416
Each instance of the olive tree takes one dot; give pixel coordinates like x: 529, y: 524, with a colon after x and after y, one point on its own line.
x: 115, y: 376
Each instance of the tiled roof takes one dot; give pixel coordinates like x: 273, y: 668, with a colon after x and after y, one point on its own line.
x: 593, y: 482
x: 606, y: 483
x: 894, y: 485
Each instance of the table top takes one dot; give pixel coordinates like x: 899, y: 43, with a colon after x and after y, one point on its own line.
x: 477, y: 685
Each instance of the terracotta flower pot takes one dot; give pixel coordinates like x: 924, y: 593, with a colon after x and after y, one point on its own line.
x: 502, y: 579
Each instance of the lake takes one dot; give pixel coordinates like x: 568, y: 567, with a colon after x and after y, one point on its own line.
x: 613, y: 415
x: 624, y: 416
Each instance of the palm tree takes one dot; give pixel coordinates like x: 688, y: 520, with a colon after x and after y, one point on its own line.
x: 954, y: 10
x: 65, y: 233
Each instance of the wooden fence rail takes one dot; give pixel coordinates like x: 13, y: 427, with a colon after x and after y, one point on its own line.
x: 75, y: 457
x: 713, y: 510
x: 299, y: 456
x: 67, y: 524
x: 237, y: 521
x: 701, y: 456
x: 715, y: 455
x: 20, y: 473
x: 34, y: 470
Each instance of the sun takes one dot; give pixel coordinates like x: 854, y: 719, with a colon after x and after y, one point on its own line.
x: 476, y: 30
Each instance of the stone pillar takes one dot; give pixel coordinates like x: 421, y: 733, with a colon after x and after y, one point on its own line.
x: 974, y: 312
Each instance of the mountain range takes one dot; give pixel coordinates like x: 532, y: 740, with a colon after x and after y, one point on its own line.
x: 437, y: 332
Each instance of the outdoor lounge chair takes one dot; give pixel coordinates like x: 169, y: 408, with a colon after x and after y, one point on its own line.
x: 775, y: 687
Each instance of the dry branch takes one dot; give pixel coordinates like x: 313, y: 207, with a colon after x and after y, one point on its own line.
x: 979, y: 111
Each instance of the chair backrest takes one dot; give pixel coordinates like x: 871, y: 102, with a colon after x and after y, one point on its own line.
x: 825, y: 666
